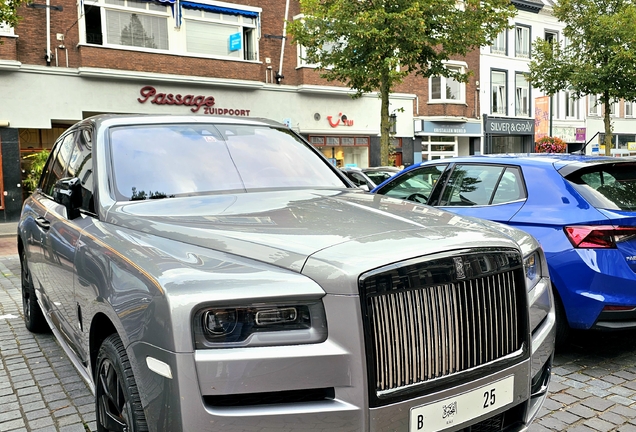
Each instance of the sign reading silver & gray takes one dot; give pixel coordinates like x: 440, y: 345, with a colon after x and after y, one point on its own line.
x: 508, y: 126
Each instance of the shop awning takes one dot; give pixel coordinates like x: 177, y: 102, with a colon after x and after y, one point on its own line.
x: 217, y: 9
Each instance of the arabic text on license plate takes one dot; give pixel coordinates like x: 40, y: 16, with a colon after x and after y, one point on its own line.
x: 456, y: 410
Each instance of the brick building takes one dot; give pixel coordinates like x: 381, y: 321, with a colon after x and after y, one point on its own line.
x: 69, y: 59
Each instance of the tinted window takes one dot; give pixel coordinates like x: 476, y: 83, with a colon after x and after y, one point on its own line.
x: 81, y: 166
x: 167, y: 160
x: 608, y: 186
x: 57, y: 163
x: 415, y: 185
x: 471, y: 185
x: 510, y: 187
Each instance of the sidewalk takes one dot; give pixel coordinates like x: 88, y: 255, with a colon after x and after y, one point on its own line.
x: 8, y: 239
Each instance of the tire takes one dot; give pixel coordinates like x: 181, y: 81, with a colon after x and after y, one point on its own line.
x: 33, y: 316
x: 562, y: 326
x: 117, y: 403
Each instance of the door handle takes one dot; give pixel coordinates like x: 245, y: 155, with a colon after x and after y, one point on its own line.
x: 43, y: 223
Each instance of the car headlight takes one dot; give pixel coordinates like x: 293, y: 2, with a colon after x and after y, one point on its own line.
x: 259, y: 325
x: 533, y: 270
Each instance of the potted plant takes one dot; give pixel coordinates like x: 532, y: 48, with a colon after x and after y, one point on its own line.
x: 551, y: 145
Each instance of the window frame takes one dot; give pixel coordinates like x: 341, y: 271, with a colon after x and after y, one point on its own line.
x: 460, y: 67
x: 528, y: 89
x: 593, y: 110
x: 495, y: 48
x: 631, y: 109
x: 176, y: 28
x: 505, y: 92
x: 571, y: 105
x: 524, y: 28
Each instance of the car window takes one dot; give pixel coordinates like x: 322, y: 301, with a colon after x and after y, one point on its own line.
x: 510, y: 187
x: 157, y: 161
x: 414, y: 185
x: 470, y: 185
x: 379, y: 176
x: 356, y: 178
x: 607, y: 186
x: 56, y: 166
x: 81, y: 166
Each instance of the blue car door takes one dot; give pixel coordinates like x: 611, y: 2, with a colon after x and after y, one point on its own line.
x: 493, y: 192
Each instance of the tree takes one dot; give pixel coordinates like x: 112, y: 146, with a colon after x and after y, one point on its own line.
x: 598, y: 58
x: 9, y: 12
x: 372, y: 45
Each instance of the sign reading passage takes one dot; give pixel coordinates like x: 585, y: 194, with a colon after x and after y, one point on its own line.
x: 462, y: 408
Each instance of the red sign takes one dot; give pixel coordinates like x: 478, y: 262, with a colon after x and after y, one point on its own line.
x: 341, y: 118
x: 149, y: 93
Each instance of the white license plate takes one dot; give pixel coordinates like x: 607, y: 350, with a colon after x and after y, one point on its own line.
x: 459, y: 409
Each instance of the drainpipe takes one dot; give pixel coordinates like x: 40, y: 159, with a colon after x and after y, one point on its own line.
x: 48, y: 33
x: 279, y: 74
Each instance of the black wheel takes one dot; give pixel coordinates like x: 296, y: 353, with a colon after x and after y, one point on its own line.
x: 418, y: 198
x: 33, y: 316
x: 562, y: 326
x: 117, y: 404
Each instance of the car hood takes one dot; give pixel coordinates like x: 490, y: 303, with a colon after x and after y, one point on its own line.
x: 284, y: 228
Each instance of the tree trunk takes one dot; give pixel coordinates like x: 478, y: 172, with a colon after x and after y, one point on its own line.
x: 608, y: 125
x: 385, y: 125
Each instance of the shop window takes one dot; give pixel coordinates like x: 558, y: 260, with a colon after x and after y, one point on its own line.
x: 447, y: 89
x: 522, y: 41
x: 498, y: 93
x: 499, y: 44
x: 205, y: 29
x: 522, y: 95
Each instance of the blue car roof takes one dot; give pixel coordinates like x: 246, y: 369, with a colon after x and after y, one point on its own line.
x: 565, y: 163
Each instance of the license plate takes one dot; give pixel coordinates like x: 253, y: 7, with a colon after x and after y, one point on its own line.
x: 459, y: 409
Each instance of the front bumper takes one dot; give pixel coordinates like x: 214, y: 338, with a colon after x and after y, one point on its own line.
x: 310, y: 387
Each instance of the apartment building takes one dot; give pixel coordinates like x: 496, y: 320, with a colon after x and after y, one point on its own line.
x: 68, y: 59
x: 511, y: 108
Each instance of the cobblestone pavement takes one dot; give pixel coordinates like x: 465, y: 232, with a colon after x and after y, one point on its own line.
x: 593, y: 383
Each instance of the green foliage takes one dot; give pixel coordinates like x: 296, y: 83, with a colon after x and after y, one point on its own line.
x: 38, y: 160
x: 599, y: 58
x: 9, y: 11
x: 372, y: 45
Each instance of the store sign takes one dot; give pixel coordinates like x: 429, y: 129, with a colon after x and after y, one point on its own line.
x: 452, y: 128
x: 149, y: 93
x: 341, y: 120
x: 580, y: 134
x: 501, y: 126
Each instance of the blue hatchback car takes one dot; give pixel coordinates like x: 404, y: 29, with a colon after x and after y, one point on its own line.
x: 582, y: 209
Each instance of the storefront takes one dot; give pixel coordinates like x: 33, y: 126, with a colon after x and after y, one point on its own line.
x: 346, y: 130
x: 508, y: 135
x: 447, y: 137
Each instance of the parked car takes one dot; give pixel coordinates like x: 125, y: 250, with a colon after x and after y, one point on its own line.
x: 582, y: 210
x: 381, y: 173
x: 213, y: 274
x: 359, y: 178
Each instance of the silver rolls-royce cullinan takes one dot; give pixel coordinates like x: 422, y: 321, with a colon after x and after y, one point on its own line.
x: 219, y: 274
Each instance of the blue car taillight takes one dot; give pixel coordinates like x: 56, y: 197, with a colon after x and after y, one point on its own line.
x: 598, y: 236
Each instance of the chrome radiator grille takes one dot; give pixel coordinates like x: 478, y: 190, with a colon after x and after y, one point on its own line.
x: 432, y: 319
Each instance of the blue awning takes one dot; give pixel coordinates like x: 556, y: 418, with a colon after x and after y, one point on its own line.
x: 218, y: 9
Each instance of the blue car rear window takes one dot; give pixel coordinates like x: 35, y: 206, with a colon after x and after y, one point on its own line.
x: 607, y: 186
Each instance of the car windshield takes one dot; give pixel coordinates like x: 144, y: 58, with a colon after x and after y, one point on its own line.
x: 607, y: 186
x: 159, y: 161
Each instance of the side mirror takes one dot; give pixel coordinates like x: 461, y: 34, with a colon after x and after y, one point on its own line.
x: 68, y: 192
x: 364, y: 188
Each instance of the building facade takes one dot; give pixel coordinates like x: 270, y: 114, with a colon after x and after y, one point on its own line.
x: 71, y: 60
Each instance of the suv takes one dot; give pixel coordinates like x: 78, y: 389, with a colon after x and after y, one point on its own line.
x: 212, y: 274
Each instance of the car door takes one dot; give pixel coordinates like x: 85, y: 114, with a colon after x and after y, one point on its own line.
x: 59, y: 237
x: 416, y: 185
x: 494, y: 192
